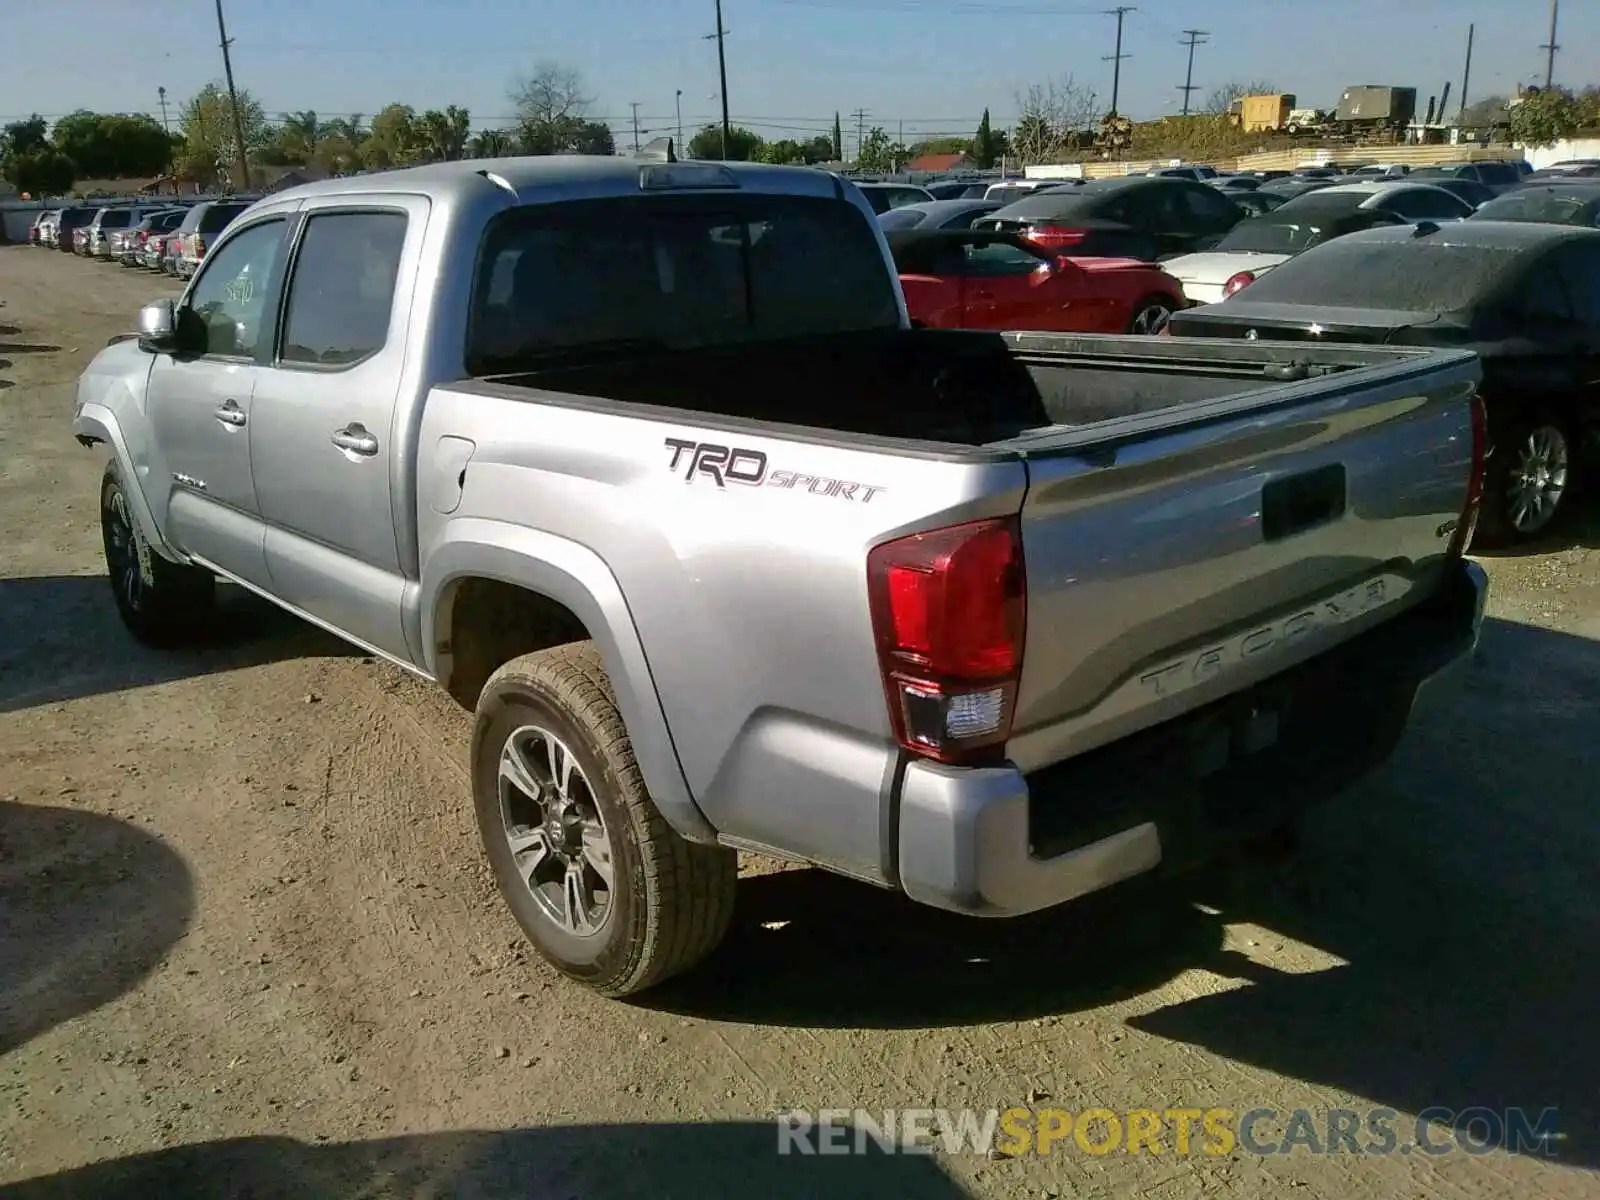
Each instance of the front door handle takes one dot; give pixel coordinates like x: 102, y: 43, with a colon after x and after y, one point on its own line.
x: 230, y: 414
x: 356, y: 440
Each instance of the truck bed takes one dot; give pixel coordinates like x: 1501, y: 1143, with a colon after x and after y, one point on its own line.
x: 1195, y: 517
x: 966, y: 388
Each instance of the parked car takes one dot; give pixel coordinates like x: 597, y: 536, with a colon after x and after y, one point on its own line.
x: 1410, y: 201
x: 1570, y: 168
x: 1253, y: 204
x: 964, y: 279
x: 1525, y: 297
x: 72, y: 221
x: 107, y: 221
x: 131, y: 248
x: 938, y: 214
x: 957, y: 189
x: 1236, y: 183
x: 1009, y: 190
x: 36, y: 228
x: 1070, y: 609
x: 1496, y: 176
x: 1131, y: 217
x: 1380, y: 171
x: 1291, y: 187
x: 1252, y: 248
x: 884, y: 196
x: 48, y: 226
x: 1576, y: 202
x: 1199, y: 172
x: 80, y: 240
x: 1474, y: 193
x: 200, y: 227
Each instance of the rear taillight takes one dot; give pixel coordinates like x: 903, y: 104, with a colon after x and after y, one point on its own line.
x: 1238, y: 282
x: 197, y: 245
x: 949, y: 609
x: 1055, y: 237
x: 1480, y: 454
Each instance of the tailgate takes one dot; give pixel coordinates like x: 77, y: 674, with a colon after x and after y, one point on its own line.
x: 1167, y: 567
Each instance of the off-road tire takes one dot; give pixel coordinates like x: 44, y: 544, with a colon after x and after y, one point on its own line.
x: 673, y: 899
x: 166, y: 603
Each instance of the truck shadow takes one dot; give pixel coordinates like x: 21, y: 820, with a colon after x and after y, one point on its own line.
x: 1458, y: 885
x: 64, y: 641
x: 727, y: 1159
x: 91, y: 905
x: 1578, y: 528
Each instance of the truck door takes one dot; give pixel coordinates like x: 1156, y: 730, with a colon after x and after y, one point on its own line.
x: 325, y: 440
x: 201, y: 403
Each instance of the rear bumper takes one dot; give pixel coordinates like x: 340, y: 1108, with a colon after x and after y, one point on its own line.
x: 993, y: 842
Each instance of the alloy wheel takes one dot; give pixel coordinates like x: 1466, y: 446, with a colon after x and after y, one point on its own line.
x: 558, y: 840
x: 1537, y: 480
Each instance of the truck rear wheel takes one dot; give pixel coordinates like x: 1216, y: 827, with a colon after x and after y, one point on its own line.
x: 161, y: 602
x: 606, y: 890
x: 1151, y: 315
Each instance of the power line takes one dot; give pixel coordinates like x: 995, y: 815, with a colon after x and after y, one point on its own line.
x: 1196, y: 37
x: 1551, y: 47
x: 1115, y: 59
x: 860, y: 115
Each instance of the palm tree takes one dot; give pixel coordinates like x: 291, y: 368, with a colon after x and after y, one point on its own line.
x: 299, y: 135
x: 491, y: 143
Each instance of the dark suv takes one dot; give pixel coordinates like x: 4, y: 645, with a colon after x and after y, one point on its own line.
x: 72, y: 220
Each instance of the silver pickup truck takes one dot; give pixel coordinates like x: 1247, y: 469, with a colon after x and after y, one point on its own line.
x: 645, y: 464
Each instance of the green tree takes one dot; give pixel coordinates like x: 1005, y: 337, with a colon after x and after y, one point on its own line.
x: 820, y: 150
x: 1491, y: 110
x: 838, y: 140
x: 552, y: 114
x: 878, y: 153
x: 491, y: 143
x: 445, y: 133
x: 1546, y: 117
x: 112, y: 145
x: 783, y: 152
x: 394, y: 140
x: 25, y: 137
x: 744, y: 145
x: 206, y: 122
x: 987, y: 145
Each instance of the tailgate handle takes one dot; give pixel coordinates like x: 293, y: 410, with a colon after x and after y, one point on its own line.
x: 1301, y: 502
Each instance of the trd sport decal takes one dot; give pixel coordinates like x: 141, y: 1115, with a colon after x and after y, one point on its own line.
x: 729, y: 464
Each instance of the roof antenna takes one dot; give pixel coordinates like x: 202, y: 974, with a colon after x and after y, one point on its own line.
x: 1423, y: 229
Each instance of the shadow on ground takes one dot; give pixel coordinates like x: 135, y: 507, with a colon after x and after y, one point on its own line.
x: 88, y: 906
x: 64, y: 641
x: 696, y: 1162
x: 1458, y: 883
x: 28, y: 348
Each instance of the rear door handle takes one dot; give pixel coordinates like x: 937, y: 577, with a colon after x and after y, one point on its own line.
x: 230, y: 414
x: 355, y: 439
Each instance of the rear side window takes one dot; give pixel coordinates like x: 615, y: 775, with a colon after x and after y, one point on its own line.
x: 342, y: 290
x: 116, y: 218
x: 902, y: 218
x: 219, y: 216
x: 674, y: 272
x: 1498, y: 173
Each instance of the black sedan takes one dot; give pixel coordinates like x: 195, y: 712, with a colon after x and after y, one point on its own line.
x: 1149, y: 218
x: 1524, y: 296
x: 938, y: 214
x: 1573, y: 203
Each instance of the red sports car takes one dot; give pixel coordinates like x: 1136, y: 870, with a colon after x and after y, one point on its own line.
x: 961, y: 279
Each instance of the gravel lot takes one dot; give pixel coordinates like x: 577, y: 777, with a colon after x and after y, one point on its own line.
x: 248, y: 945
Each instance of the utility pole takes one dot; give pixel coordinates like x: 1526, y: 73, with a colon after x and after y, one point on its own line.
x: 1115, y: 59
x: 679, y: 102
x: 722, y: 74
x: 634, y: 104
x: 1466, y: 78
x: 900, y: 141
x: 860, y: 115
x: 233, y: 102
x: 165, y: 128
x: 1197, y: 37
x: 1551, y: 47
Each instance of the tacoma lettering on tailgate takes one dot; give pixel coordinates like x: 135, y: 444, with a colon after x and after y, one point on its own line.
x: 1202, y: 665
x: 731, y: 464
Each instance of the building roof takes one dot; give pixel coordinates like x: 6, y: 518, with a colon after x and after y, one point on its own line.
x: 936, y: 162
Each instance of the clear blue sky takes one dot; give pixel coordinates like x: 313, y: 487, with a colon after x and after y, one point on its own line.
x: 932, y: 64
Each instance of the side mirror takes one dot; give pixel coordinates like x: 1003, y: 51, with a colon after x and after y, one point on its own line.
x: 158, y: 327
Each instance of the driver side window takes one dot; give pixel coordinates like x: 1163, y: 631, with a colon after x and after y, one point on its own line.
x: 226, y: 310
x: 999, y: 258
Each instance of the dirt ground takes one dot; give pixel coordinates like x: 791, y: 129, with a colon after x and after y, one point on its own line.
x: 248, y: 945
